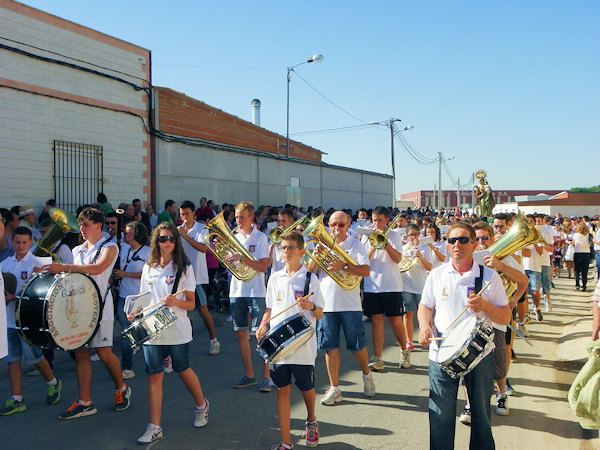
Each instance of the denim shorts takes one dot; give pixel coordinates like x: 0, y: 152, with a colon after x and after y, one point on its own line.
x: 546, y: 281
x: 304, y: 376
x: 19, y: 350
x: 535, y: 280
x: 200, y: 296
x: 241, y: 306
x: 411, y: 301
x: 328, y: 331
x: 154, y: 355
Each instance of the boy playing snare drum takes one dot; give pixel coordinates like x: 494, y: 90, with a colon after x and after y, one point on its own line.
x: 286, y: 287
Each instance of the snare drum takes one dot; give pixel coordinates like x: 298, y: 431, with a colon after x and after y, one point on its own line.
x: 150, y: 326
x: 285, y: 338
x: 465, y: 346
x: 61, y: 310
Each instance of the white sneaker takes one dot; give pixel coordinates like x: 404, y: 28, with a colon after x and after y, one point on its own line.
x: 202, y: 416
x: 153, y: 433
x: 215, y: 347
x: 502, y: 405
x: 94, y: 357
x: 404, y: 359
x: 376, y: 364
x: 369, y: 388
x: 465, y: 416
x: 523, y: 328
x: 127, y: 374
x: 168, y: 364
x: 333, y: 395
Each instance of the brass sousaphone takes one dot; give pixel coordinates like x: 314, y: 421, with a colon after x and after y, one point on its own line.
x: 329, y: 251
x: 62, y: 223
x: 225, y: 243
x: 274, y: 233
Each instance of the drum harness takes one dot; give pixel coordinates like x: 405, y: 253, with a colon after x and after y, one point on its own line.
x: 106, y: 241
x: 478, y: 286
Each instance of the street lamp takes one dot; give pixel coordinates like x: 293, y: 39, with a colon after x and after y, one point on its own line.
x: 440, y: 178
x: 313, y: 59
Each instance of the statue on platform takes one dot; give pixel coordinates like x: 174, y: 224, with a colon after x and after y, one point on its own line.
x: 483, y: 192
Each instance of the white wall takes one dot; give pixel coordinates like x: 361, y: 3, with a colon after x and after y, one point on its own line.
x: 29, y: 123
x: 188, y: 173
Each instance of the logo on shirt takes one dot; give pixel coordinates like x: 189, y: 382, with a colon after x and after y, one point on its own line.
x: 279, y: 297
x: 444, y: 292
x: 298, y: 294
x: 251, y: 248
x: 170, y: 280
x: 470, y: 290
x: 24, y: 275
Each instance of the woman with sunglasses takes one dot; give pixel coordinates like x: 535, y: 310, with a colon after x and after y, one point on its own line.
x: 168, y: 271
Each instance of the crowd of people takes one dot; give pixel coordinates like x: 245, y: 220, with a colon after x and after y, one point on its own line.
x: 432, y: 263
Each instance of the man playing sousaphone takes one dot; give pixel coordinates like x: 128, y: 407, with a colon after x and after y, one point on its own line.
x: 343, y: 309
x: 449, y: 290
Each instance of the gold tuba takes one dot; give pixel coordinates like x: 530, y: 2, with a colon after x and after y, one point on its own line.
x: 225, y: 243
x: 330, y: 251
x: 409, y: 256
x: 274, y: 233
x: 63, y: 223
x: 378, y: 240
x: 520, y: 235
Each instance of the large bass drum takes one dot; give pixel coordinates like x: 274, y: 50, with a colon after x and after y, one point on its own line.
x: 60, y: 310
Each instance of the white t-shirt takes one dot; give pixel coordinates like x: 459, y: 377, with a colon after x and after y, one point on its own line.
x: 337, y: 298
x: 532, y: 262
x: 513, y: 264
x: 132, y: 261
x: 597, y: 239
x: 546, y: 233
x: 414, y: 279
x: 198, y: 259
x: 159, y: 281
x: 64, y: 253
x: 447, y: 291
x: 278, y: 263
x: 442, y: 247
x: 282, y: 292
x: 385, y: 274
x: 83, y: 256
x: 581, y: 243
x: 257, y: 245
x: 22, y: 270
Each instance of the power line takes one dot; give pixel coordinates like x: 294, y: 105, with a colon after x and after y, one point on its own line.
x: 331, y: 130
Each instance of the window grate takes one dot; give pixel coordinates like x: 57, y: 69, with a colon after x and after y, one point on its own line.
x: 78, y: 177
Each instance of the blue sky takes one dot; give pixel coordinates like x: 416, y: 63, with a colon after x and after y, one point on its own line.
x: 509, y: 87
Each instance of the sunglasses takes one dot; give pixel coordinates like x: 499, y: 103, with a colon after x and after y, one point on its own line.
x: 289, y: 247
x: 463, y: 240
x: 163, y: 239
x: 482, y: 238
x: 499, y: 226
x: 110, y: 223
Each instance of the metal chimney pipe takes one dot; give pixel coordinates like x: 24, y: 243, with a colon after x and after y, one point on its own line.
x: 256, y: 112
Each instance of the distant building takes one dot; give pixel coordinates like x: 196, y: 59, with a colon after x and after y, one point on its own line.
x: 565, y: 203
x: 430, y: 198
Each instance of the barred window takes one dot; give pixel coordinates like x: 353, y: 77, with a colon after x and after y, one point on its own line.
x: 78, y: 177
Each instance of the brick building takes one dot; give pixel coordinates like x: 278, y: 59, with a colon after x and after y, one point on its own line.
x: 429, y: 198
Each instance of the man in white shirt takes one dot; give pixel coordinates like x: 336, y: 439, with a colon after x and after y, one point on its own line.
x: 192, y: 238
x: 95, y: 257
x: 533, y: 269
x: 545, y: 232
x: 383, y: 290
x: 248, y: 297
x: 448, y: 290
x: 343, y: 310
x: 27, y: 217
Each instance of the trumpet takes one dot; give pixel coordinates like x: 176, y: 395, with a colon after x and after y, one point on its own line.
x: 330, y: 251
x: 274, y: 233
x: 379, y: 240
x: 225, y: 243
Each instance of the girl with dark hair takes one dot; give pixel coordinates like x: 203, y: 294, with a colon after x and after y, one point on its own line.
x: 103, y: 204
x: 439, y: 247
x: 167, y: 272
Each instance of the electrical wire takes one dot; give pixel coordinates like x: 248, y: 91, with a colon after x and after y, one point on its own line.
x: 331, y: 130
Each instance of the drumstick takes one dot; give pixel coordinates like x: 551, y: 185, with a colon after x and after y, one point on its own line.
x: 436, y: 338
x: 162, y: 301
x: 466, y: 307
x: 290, y: 307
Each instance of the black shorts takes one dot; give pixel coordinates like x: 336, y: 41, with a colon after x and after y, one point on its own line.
x: 304, y: 377
x: 500, y: 368
x: 523, y: 297
x: 388, y: 303
x: 557, y: 261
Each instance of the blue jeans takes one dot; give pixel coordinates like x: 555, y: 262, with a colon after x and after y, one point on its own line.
x: 442, y: 405
x: 126, y: 351
x: 155, y: 355
x: 241, y: 306
x: 597, y: 256
x: 328, y: 331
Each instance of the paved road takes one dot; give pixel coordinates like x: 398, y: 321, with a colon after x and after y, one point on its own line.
x: 396, y: 418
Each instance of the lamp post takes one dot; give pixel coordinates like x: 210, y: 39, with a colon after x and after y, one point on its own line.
x: 440, y: 178
x: 317, y: 58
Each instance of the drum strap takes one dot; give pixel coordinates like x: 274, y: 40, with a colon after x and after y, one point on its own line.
x: 177, y: 278
x: 479, y: 280
x: 307, y: 283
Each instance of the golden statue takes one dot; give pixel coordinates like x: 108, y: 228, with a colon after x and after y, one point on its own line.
x: 483, y: 192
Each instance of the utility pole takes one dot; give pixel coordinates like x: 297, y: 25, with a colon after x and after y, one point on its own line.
x: 458, y: 193
x: 439, y: 181
x: 393, y: 165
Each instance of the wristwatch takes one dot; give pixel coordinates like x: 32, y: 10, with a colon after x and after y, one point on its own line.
x: 345, y: 266
x: 314, y: 307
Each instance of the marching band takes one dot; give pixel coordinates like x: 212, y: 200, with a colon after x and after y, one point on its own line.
x: 294, y: 287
